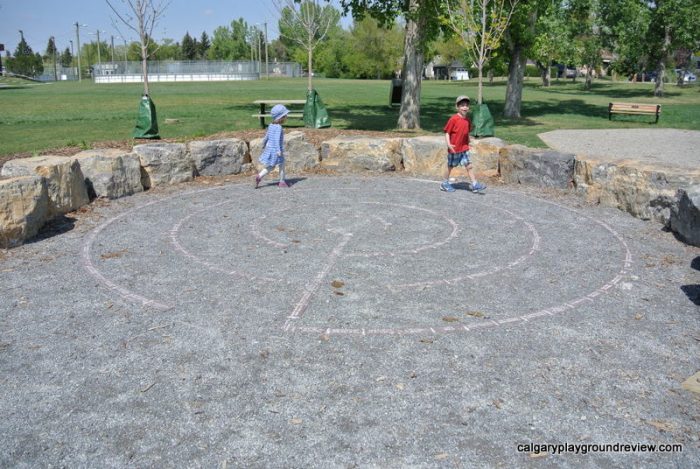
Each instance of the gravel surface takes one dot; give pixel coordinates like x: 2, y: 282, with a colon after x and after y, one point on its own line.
x: 345, y: 322
x: 658, y: 147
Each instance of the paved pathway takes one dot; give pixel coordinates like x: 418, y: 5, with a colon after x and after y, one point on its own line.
x: 659, y: 147
x: 348, y: 322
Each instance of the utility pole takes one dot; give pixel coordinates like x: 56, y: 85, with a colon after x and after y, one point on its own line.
x: 77, y: 36
x: 267, y: 64
x: 112, y: 37
x: 55, y: 71
x: 257, y: 33
x: 99, y: 59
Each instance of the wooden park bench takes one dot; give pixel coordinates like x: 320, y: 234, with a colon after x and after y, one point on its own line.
x: 264, y: 113
x: 634, y: 109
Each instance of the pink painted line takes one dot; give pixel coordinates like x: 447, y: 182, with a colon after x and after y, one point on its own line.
x: 311, y: 289
x: 113, y: 286
x: 175, y: 241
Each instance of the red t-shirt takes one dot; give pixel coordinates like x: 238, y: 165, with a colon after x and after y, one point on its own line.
x: 458, y: 128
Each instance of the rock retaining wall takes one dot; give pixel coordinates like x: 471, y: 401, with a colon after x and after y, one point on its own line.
x: 37, y: 189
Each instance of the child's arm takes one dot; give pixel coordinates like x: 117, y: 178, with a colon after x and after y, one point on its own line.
x: 281, y: 144
x: 449, y: 144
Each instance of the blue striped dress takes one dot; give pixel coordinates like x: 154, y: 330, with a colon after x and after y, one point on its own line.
x: 273, y: 146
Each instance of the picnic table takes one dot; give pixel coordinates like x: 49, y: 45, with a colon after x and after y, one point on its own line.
x: 264, y: 112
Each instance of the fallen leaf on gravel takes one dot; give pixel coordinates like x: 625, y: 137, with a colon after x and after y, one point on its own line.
x: 325, y: 337
x: 638, y: 316
x: 381, y: 378
x: 449, y: 319
x: 661, y: 425
x: 426, y: 341
x: 112, y: 255
x: 337, y: 284
x: 296, y: 421
x: 475, y: 314
x: 692, y: 383
x: 400, y: 386
x: 442, y: 456
x: 339, y: 293
x: 497, y: 403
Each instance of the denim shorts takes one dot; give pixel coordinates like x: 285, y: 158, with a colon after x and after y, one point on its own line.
x: 458, y: 159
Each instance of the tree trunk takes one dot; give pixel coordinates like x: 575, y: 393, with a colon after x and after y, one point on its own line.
x: 545, y: 74
x: 309, y: 84
x: 514, y: 89
x: 144, y: 66
x: 409, y: 115
x: 589, y: 77
x: 659, y: 85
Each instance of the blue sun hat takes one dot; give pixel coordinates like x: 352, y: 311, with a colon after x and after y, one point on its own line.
x: 278, y: 112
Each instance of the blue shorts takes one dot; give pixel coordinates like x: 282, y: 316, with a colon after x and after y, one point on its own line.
x: 458, y: 159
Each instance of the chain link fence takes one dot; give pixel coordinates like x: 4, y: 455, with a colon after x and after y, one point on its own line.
x: 162, y: 71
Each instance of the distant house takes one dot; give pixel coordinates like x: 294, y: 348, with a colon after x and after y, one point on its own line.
x: 440, y: 69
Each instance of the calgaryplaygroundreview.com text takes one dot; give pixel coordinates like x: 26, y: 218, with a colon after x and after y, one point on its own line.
x: 578, y: 448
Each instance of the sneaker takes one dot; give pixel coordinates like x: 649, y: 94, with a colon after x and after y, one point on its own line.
x: 257, y: 181
x: 478, y: 187
x: 447, y: 187
x: 283, y: 184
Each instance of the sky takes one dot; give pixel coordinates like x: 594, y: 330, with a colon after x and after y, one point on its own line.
x: 41, y: 19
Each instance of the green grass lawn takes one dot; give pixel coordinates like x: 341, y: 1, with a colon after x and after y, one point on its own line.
x: 37, y: 117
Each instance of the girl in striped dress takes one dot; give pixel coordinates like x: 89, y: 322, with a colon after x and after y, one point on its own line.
x: 273, y: 146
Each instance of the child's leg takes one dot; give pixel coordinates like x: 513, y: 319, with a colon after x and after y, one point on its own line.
x: 265, y: 171
x: 281, y: 168
x: 470, y: 173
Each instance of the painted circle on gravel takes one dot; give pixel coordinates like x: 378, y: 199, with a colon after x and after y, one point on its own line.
x: 360, y: 228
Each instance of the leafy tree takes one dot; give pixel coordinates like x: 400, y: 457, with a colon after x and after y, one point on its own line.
x: 547, y: 46
x: 306, y: 23
x: 645, y: 34
x: 25, y: 62
x: 519, y: 40
x: 203, y: 45
x: 66, y: 58
x: 374, y: 51
x: 188, y: 47
x: 332, y: 56
x: 673, y: 25
x: 141, y: 16
x: 167, y: 50
x: 50, y: 49
x: 230, y: 43
x: 278, y: 50
x: 479, y: 25
x: 51, y: 56
x: 421, y: 26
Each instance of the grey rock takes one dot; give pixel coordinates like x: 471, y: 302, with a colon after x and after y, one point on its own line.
x: 110, y: 173
x: 544, y: 168
x: 685, y: 215
x: 164, y: 163
x: 218, y: 157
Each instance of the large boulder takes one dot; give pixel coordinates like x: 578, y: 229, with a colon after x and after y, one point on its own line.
x: 518, y: 164
x: 646, y: 191
x: 164, y: 163
x: 110, y: 173
x: 685, y: 215
x: 24, y: 207
x: 218, y: 157
x: 353, y: 154
x: 427, y: 156
x: 299, y: 155
x: 64, y: 180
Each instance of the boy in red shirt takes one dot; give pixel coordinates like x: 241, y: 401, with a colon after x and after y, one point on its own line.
x: 457, y: 139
